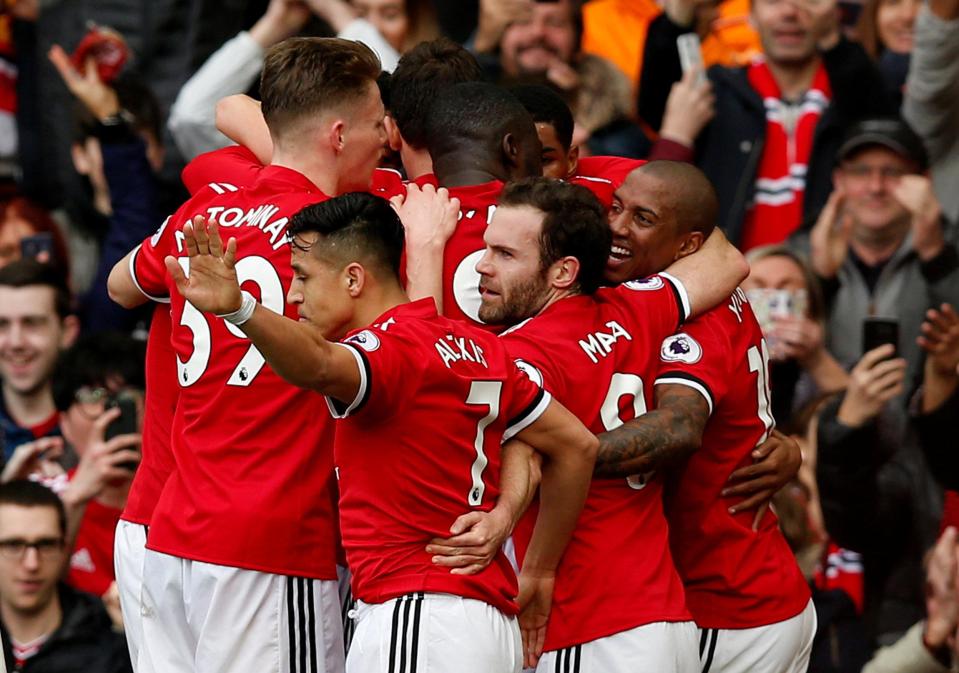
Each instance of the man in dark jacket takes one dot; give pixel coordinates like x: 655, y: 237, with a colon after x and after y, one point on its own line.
x: 770, y: 148
x: 46, y: 627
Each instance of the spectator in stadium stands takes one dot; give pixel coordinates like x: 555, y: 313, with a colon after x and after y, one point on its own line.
x: 119, y: 149
x: 21, y: 218
x: 810, y: 87
x: 36, y: 322
x: 885, y: 30
x: 930, y: 645
x: 388, y: 27
x: 45, y: 626
x: 878, y: 496
x: 881, y: 244
x: 787, y: 300
x: 543, y: 41
x: 931, y: 104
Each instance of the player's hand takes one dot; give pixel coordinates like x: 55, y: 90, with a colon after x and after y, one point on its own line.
x: 212, y: 285
x: 872, y: 383
x: 916, y: 194
x: 690, y: 106
x: 100, y: 99
x: 477, y: 539
x: 428, y: 214
x: 829, y: 238
x: 775, y: 463
x: 940, y: 340
x: 36, y: 457
x: 102, y: 461
x: 111, y: 601
x: 535, y: 602
x: 282, y: 19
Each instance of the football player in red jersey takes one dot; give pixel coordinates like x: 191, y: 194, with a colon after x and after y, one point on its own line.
x: 742, y: 583
x: 245, y: 523
x: 618, y: 600
x: 425, y: 402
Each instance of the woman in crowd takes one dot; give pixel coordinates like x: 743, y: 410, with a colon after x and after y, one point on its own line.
x: 885, y: 30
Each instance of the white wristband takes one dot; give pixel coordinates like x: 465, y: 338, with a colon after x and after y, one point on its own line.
x: 242, y: 314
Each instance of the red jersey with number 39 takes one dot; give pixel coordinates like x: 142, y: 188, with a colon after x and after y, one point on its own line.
x: 254, y: 465
x: 597, y: 355
x: 735, y: 578
x: 420, y: 445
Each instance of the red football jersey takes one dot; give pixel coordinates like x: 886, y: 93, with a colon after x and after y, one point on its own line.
x: 735, y: 578
x: 254, y: 464
x: 91, y: 562
x: 420, y: 446
x: 159, y: 405
x: 617, y: 572
x: 604, y: 175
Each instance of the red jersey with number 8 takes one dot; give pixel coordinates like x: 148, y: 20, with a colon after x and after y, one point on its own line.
x: 420, y: 445
x: 253, y: 481
x: 735, y: 578
x: 597, y: 356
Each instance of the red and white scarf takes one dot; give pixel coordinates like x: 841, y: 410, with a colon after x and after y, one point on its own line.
x: 781, y: 179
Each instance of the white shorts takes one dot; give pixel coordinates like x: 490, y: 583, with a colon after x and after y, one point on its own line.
x: 205, y: 618
x: 128, y: 547
x: 434, y: 633
x: 663, y: 647
x: 783, y: 647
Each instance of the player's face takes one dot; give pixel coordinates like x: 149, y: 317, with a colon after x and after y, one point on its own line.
x: 868, y: 179
x: 318, y: 291
x: 513, y: 283
x: 643, y: 223
x: 535, y: 42
x: 31, y: 336
x: 558, y: 163
x: 785, y: 30
x: 364, y: 138
x: 28, y: 581
x: 388, y: 17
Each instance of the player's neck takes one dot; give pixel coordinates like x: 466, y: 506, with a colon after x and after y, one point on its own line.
x: 377, y: 301
x: 315, y: 168
x: 29, y: 409
x: 454, y: 172
x: 25, y: 627
x: 416, y: 163
x: 555, y: 296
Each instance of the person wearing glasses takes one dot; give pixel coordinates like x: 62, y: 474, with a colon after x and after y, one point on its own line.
x: 46, y: 626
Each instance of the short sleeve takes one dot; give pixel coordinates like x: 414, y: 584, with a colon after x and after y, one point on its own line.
x: 699, y: 357
x: 523, y: 401
x: 227, y: 169
x: 661, y: 300
x: 147, y: 267
x: 386, y: 370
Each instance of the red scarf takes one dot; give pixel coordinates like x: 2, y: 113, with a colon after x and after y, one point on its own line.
x: 781, y: 179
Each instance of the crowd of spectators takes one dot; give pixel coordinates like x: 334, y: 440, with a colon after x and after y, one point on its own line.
x: 829, y: 130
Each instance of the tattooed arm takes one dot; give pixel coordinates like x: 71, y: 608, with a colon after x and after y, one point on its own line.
x: 659, y: 439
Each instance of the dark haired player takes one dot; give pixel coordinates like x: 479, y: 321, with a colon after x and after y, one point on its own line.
x: 425, y: 402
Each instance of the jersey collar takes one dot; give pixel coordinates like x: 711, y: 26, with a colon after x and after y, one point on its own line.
x: 421, y: 308
x: 288, y: 177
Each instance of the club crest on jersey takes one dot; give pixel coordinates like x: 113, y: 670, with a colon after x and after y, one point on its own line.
x: 681, y: 348
x: 365, y: 340
x: 651, y: 283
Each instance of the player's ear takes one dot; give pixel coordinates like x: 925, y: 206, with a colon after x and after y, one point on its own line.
x: 692, y: 243
x: 354, y: 276
x: 336, y: 136
x: 564, y: 273
x: 572, y: 160
x: 393, y: 136
x: 510, y: 149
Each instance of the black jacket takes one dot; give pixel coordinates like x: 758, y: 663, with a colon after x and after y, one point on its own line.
x: 83, y: 643
x: 730, y: 147
x: 937, y: 435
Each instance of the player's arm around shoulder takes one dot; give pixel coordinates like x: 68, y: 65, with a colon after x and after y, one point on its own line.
x: 711, y: 274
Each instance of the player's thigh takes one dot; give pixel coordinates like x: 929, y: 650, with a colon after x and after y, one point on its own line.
x: 434, y: 633
x: 782, y: 647
x: 129, y: 544
x: 168, y: 643
x: 666, y: 647
x: 246, y: 620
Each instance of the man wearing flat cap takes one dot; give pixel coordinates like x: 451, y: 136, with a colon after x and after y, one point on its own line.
x: 881, y: 244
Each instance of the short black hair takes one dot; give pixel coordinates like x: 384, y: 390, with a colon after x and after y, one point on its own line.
x: 359, y: 224
x: 27, y: 271
x: 547, y: 107
x: 574, y: 225
x: 423, y: 72
x: 472, y: 113
x: 25, y: 493
x: 95, y: 360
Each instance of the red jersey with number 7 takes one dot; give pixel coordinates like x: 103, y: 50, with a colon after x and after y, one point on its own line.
x: 254, y: 464
x: 420, y: 445
x: 597, y: 355
x: 735, y: 577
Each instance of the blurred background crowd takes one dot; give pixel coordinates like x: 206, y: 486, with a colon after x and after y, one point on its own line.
x: 831, y: 132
